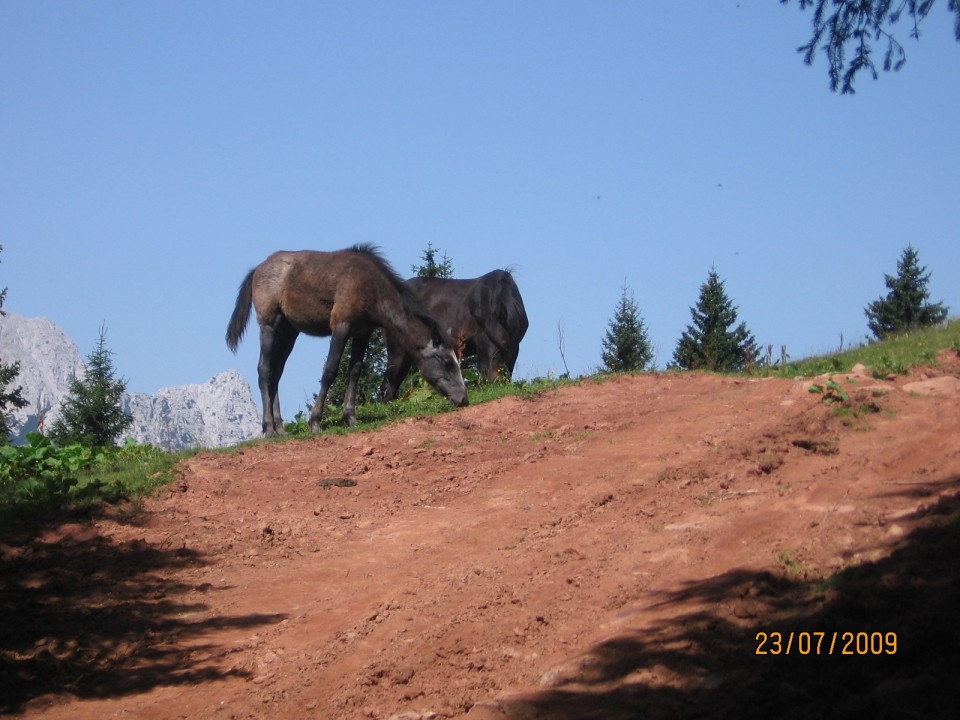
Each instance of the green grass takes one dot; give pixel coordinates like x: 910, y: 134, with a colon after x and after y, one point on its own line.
x: 421, y: 401
x: 135, y: 471
x: 42, y: 480
x: 893, y: 356
x: 789, y: 563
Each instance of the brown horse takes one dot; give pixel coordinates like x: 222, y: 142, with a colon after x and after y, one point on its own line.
x: 345, y: 294
x: 485, y: 315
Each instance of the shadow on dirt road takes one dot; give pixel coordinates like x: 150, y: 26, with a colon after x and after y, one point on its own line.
x: 90, y: 617
x: 890, y: 645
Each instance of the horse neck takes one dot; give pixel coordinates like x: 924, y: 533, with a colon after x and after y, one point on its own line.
x: 403, y: 325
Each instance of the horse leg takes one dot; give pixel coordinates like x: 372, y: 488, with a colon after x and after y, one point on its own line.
x: 358, y: 349
x: 501, y: 350
x: 338, y: 341
x: 284, y: 338
x: 276, y: 342
x: 487, y: 358
x: 398, y: 365
x: 265, y: 372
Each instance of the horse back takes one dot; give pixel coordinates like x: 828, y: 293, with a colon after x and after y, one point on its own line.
x: 470, y: 304
x: 310, y: 289
x: 445, y: 299
x: 317, y: 290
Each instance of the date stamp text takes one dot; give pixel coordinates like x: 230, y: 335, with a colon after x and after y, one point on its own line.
x: 831, y: 642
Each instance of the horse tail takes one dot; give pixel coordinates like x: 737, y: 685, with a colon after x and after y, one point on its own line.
x: 241, y: 313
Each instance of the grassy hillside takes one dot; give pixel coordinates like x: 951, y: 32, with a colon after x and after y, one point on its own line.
x: 40, y: 478
x: 893, y: 356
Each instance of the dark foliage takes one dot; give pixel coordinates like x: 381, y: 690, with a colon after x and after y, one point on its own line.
x: 712, y: 342
x: 431, y: 267
x: 905, y: 307
x: 845, y: 27
x: 626, y: 345
x: 9, y: 397
x: 92, y: 415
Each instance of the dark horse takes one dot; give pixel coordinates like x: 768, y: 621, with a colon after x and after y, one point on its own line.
x: 484, y: 315
x: 345, y: 294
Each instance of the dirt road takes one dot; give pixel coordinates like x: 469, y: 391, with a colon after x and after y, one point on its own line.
x: 615, y: 549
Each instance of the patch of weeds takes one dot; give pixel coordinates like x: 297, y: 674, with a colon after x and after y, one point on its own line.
x: 832, y: 392
x: 789, y: 564
x: 851, y: 412
x: 886, y: 368
x: 707, y: 500
x: 769, y: 460
x: 818, y: 447
x: 530, y: 389
x: 39, y: 476
x: 299, y: 427
x: 850, y: 417
x: 837, y: 580
x: 855, y: 416
x: 540, y: 436
x: 887, y: 357
x: 825, y: 584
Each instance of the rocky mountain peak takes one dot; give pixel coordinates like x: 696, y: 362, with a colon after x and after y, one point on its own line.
x: 217, y: 413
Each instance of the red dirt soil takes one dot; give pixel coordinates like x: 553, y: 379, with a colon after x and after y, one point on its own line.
x: 613, y: 549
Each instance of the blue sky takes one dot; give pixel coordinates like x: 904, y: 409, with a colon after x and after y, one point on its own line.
x: 151, y: 153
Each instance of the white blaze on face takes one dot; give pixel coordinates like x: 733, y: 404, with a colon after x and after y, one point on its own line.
x: 441, y: 368
x: 440, y: 354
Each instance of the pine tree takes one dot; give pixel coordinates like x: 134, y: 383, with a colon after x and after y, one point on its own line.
x: 905, y: 308
x: 92, y: 414
x: 709, y: 343
x: 9, y: 397
x: 626, y: 345
x: 430, y: 267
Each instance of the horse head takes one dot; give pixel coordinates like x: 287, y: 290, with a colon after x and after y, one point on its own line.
x: 440, y: 367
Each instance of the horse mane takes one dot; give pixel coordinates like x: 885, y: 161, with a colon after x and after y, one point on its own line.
x: 376, y: 254
x: 407, y: 296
